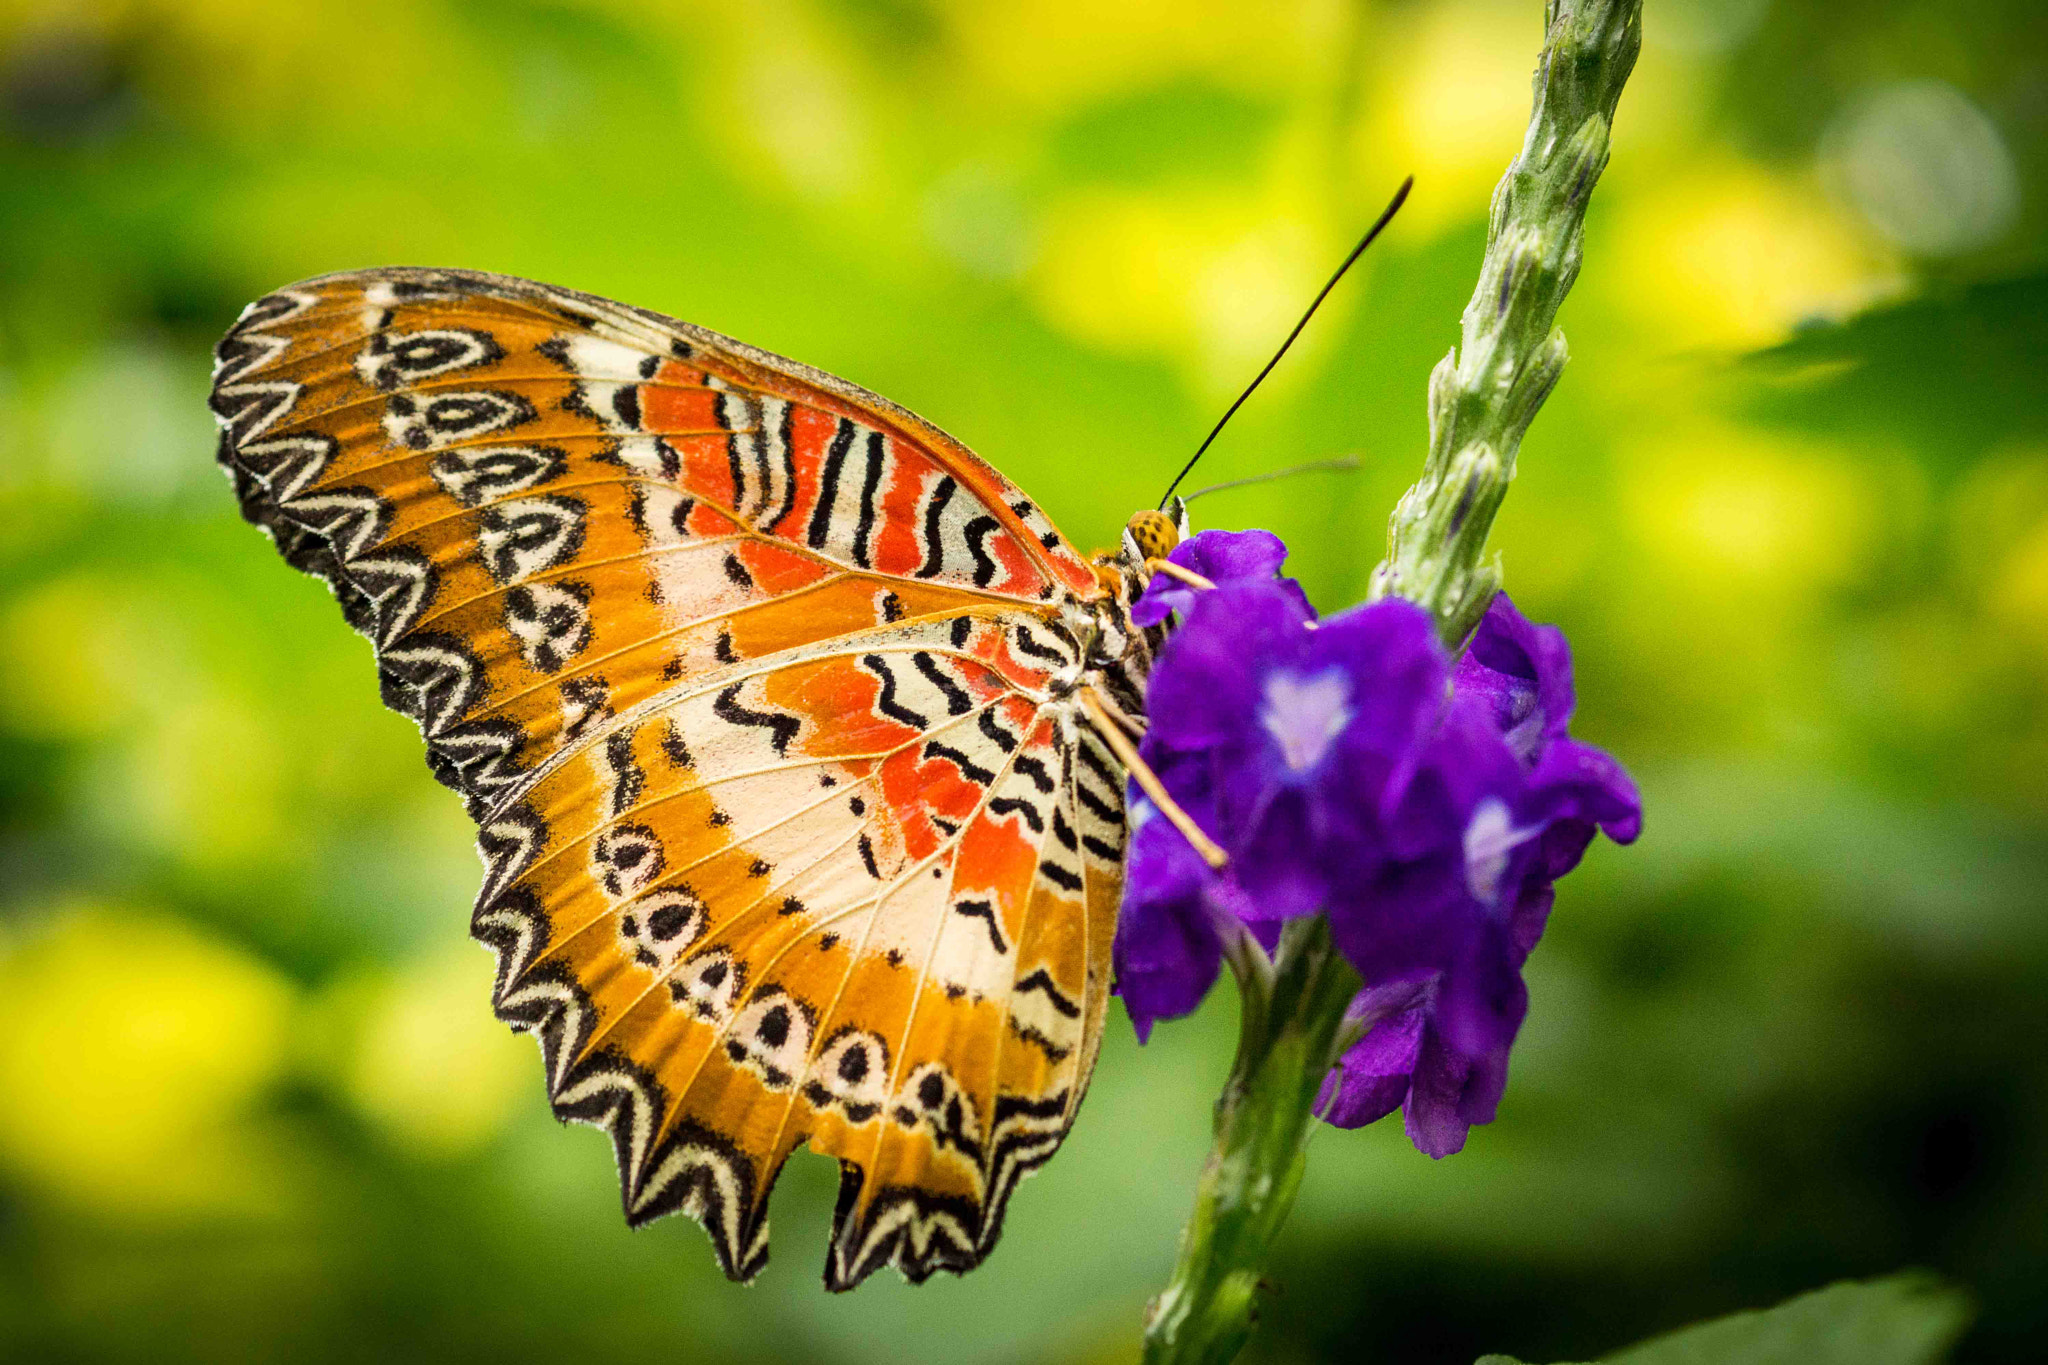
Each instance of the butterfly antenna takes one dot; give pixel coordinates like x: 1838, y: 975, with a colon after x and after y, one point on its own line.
x: 1343, y: 464
x: 1400, y: 196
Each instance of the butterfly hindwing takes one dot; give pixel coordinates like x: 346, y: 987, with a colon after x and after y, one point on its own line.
x: 866, y: 928
x: 747, y: 676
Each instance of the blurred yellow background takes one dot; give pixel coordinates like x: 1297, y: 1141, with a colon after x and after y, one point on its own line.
x: 1790, y: 500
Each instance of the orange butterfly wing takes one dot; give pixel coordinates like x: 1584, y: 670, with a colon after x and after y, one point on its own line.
x: 757, y: 686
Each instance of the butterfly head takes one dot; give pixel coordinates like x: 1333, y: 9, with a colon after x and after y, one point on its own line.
x: 1152, y: 533
x: 1148, y: 535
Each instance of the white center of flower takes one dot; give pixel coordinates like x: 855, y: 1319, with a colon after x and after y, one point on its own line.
x: 1304, y: 714
x: 1490, y: 836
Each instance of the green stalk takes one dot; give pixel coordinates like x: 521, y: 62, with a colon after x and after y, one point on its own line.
x: 1292, y: 1034
x: 1482, y: 397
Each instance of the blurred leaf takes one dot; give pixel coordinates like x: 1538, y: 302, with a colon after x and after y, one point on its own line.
x: 1909, y: 1319
x: 1959, y: 374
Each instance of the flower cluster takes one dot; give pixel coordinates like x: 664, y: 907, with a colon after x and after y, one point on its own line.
x: 1349, y: 767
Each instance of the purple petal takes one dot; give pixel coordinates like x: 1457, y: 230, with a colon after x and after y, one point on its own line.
x: 1390, y: 652
x: 1483, y: 1001
x: 1206, y: 689
x: 1465, y: 762
x: 1523, y: 673
x: 1579, y: 782
x: 1431, y: 1112
x: 1276, y: 864
x: 1531, y: 913
x: 1485, y: 1083
x: 1373, y: 1075
x: 1167, y: 950
x: 1403, y: 921
x: 1219, y: 556
x: 1162, y: 597
x: 1225, y: 556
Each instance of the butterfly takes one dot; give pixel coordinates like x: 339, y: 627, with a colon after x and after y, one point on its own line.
x: 792, y: 731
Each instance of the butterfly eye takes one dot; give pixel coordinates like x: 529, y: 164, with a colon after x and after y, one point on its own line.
x: 1154, y: 535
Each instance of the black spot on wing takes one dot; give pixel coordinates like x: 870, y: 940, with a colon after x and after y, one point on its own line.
x: 673, y: 747
x: 627, y: 779
x: 1059, y: 876
x: 1101, y: 807
x: 870, y: 483
x: 1028, y: 644
x: 1053, y: 1051
x: 1032, y: 768
x: 785, y: 435
x: 626, y: 406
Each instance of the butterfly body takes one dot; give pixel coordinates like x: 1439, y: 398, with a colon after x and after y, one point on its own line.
x: 766, y: 698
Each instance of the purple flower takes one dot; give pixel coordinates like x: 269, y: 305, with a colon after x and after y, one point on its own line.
x: 1221, y: 557
x: 1169, y: 933
x: 1405, y: 1061
x: 1502, y: 804
x: 1347, y: 766
x: 1270, y: 722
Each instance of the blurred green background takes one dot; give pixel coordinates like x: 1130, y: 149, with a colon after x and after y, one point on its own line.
x: 1791, y: 501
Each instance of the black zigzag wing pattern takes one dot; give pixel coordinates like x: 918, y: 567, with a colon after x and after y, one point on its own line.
x: 337, y: 536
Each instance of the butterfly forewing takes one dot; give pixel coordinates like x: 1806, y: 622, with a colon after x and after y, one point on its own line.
x: 746, y: 675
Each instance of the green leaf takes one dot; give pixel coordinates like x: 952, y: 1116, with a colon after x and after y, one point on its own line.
x: 1909, y: 1319
x: 1952, y: 370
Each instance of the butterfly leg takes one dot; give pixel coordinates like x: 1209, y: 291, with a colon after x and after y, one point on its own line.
x: 1101, y: 713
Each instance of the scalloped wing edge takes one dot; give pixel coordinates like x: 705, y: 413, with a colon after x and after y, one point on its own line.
x: 698, y: 1172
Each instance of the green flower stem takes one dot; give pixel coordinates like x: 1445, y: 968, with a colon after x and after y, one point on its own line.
x: 1483, y: 395
x: 1291, y: 1034
x: 1482, y: 398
